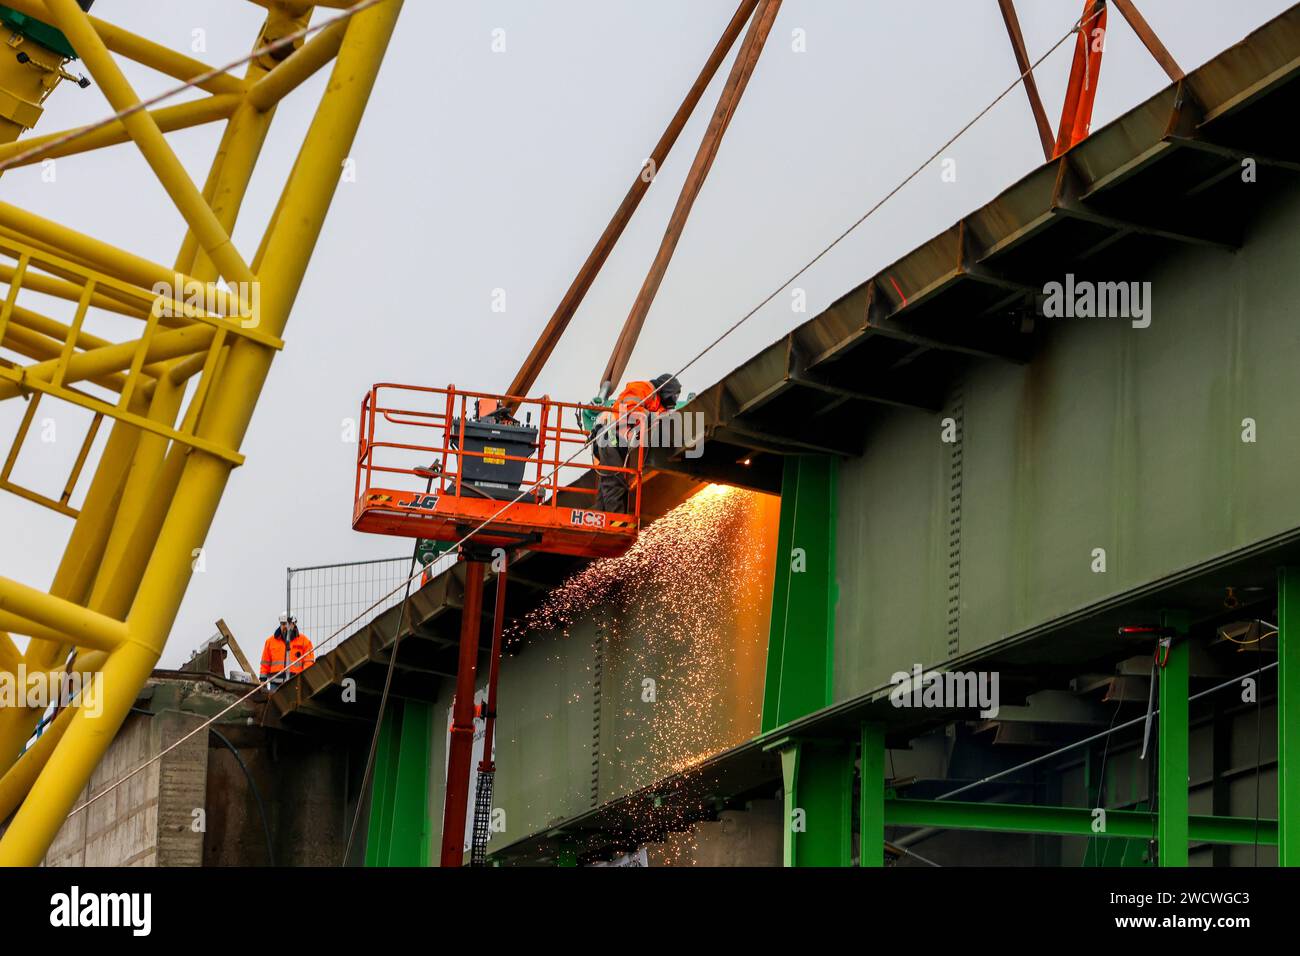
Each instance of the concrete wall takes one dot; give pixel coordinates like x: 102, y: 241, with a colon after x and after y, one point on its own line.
x: 148, y: 820
x: 303, y: 783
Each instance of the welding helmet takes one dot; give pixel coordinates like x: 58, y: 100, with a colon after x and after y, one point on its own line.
x: 668, y: 389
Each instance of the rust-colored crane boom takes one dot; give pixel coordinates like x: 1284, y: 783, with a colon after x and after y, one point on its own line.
x: 550, y: 337
x: 1009, y: 17
x: 741, y: 71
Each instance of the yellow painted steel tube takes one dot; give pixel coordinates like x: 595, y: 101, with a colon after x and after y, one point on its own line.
x: 231, y: 173
x: 300, y: 66
x: 17, y: 780
x: 82, y: 558
x: 209, y: 109
x: 184, y: 369
x: 33, y: 345
x: 142, y: 492
x: 306, y: 200
x: 71, y: 291
x: 72, y: 20
x: 17, y: 624
x: 76, y: 572
x: 174, y: 343
x: 141, y: 50
x: 82, y: 625
x: 101, y: 256
x: 10, y: 656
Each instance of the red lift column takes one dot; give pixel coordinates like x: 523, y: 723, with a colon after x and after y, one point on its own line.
x: 461, y: 750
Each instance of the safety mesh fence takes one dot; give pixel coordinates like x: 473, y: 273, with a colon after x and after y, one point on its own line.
x: 327, y: 597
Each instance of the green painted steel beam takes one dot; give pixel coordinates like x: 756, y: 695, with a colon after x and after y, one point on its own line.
x: 1067, y: 821
x: 399, y: 829
x: 1172, y: 752
x: 871, y: 797
x: 818, y: 780
x: 379, y: 827
x: 37, y: 30
x: 801, y: 643
x: 1288, y: 717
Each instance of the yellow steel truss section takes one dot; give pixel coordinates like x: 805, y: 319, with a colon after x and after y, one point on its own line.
x: 209, y: 326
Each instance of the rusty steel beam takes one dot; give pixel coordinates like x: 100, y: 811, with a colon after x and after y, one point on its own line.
x: 1149, y: 39
x: 741, y: 71
x: 528, y: 373
x: 1027, y: 77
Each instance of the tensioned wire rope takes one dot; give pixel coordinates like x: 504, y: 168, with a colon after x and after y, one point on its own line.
x: 726, y: 333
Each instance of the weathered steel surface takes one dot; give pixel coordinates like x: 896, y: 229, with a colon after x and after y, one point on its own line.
x: 1117, y: 438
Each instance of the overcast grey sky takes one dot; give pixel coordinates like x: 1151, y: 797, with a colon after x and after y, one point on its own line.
x: 479, y: 170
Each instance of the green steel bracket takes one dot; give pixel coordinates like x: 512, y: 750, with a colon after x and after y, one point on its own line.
x: 37, y: 31
x: 1172, y: 752
x: 801, y: 644
x: 871, y: 797
x: 1288, y: 717
x: 1067, y: 821
x: 818, y: 781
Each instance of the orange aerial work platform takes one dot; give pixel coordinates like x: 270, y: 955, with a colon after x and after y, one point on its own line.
x: 442, y: 464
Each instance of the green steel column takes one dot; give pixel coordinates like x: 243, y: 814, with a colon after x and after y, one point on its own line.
x: 871, y: 823
x: 818, y: 777
x: 379, y: 828
x: 1172, y: 772
x: 801, y: 644
x: 399, y: 814
x: 1288, y: 717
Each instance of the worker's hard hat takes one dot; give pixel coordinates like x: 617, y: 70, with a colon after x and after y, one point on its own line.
x: 284, y: 618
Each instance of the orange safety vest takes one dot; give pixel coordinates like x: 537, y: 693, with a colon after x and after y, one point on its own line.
x: 635, y: 404
x: 296, y: 654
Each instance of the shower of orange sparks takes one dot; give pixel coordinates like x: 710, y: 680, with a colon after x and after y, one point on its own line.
x: 676, y: 608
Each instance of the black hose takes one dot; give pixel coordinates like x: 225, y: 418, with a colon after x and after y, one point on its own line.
x: 257, y: 794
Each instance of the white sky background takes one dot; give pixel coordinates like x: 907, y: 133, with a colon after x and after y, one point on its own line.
x: 479, y: 170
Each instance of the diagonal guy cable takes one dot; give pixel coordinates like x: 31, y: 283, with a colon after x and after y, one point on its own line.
x: 555, y: 471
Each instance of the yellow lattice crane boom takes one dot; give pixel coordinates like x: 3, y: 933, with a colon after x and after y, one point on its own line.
x: 215, y: 314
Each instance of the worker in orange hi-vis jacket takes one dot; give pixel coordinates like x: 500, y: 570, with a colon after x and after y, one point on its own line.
x: 622, y: 429
x: 286, y: 652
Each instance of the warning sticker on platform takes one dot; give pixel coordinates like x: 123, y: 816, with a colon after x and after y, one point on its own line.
x: 494, y: 456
